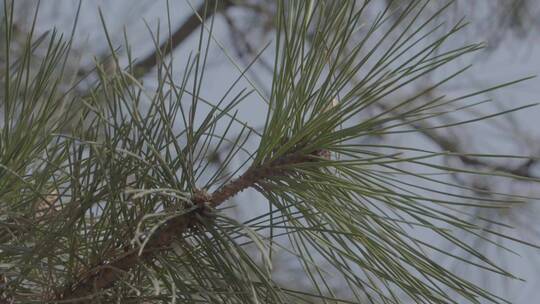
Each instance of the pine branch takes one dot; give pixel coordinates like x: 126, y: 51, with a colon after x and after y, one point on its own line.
x: 105, y: 275
x: 338, y: 215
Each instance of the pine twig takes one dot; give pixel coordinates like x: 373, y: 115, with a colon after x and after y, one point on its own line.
x: 105, y: 276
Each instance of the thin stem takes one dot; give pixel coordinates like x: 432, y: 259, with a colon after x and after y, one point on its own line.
x: 105, y: 275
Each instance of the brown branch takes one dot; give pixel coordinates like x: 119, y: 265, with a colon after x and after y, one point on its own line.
x: 106, y: 275
x: 205, y: 11
x: 523, y: 170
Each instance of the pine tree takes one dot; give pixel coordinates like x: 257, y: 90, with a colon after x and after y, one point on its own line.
x: 128, y: 206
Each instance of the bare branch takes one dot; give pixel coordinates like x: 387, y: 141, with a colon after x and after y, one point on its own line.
x: 205, y: 11
x: 446, y: 144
